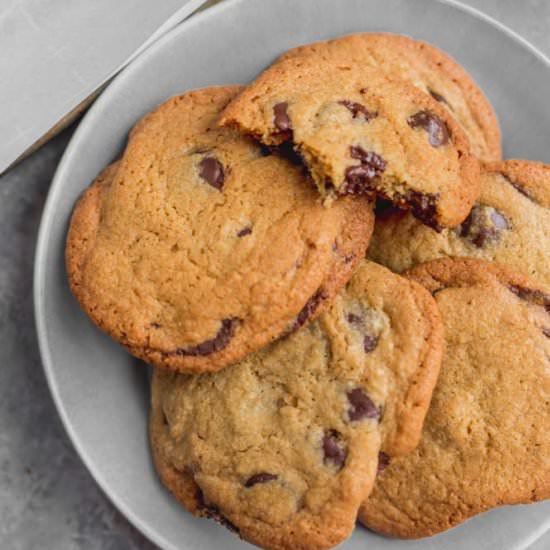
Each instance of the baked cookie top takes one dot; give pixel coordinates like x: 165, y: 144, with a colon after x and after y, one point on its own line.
x: 197, y: 248
x: 509, y: 223
x: 428, y: 68
x: 283, y: 446
x: 359, y: 131
x: 486, y: 439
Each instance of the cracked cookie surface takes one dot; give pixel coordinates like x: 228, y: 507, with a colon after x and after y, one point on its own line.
x: 486, y: 438
x: 283, y: 446
x: 197, y: 248
x: 361, y: 131
x: 509, y: 223
x: 429, y: 69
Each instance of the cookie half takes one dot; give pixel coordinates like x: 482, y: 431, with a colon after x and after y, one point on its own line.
x: 509, y: 223
x: 283, y: 447
x: 429, y: 69
x: 196, y: 249
x: 361, y: 133
x: 486, y: 438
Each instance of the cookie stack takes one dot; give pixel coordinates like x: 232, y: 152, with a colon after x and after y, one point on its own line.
x: 249, y: 245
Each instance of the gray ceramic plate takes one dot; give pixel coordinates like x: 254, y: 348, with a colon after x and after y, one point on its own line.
x: 102, y: 393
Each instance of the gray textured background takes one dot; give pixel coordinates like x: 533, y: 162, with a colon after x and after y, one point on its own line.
x: 47, y: 498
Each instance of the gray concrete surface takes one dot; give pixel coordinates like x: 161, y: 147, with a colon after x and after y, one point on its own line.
x: 47, y: 498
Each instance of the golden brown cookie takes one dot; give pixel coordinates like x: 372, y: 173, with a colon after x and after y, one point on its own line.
x: 486, y: 438
x: 428, y: 68
x: 360, y: 132
x: 283, y: 446
x: 197, y: 248
x: 510, y: 224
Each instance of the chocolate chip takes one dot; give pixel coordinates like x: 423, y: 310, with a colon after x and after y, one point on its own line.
x: 363, y: 90
x: 362, y: 405
x: 546, y: 332
x: 370, y: 343
x: 438, y: 133
x: 536, y: 297
x: 518, y: 187
x: 219, y: 342
x: 383, y: 462
x: 333, y: 449
x: 483, y: 225
x: 245, y: 231
x: 357, y: 109
x: 280, y: 117
x: 423, y: 207
x: 354, y: 319
x: 155, y: 325
x: 212, y: 512
x: 437, y: 96
x: 359, y: 177
x: 262, y: 477
x: 308, y: 310
x: 211, y: 170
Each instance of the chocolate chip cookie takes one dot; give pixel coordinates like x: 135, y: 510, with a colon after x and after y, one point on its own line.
x: 509, y: 223
x: 486, y: 439
x: 428, y: 68
x: 199, y: 248
x: 361, y: 133
x: 283, y: 446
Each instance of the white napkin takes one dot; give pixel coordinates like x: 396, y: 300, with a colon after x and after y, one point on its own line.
x: 55, y: 53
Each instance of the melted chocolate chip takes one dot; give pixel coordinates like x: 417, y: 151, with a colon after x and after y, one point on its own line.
x: 280, y: 117
x: 359, y: 177
x: 483, y: 225
x: 219, y: 342
x: 383, y: 462
x: 245, y: 231
x: 211, y: 170
x: 438, y: 133
x: 262, y: 477
x: 354, y: 319
x: 546, y: 332
x: 212, y: 512
x: 308, y: 310
x: 362, y: 405
x: 423, y: 207
x: 437, y: 96
x: 357, y: 109
x: 536, y: 297
x: 518, y: 187
x: 370, y: 343
x: 333, y: 450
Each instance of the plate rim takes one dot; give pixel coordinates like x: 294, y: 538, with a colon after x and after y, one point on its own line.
x: 48, y: 214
